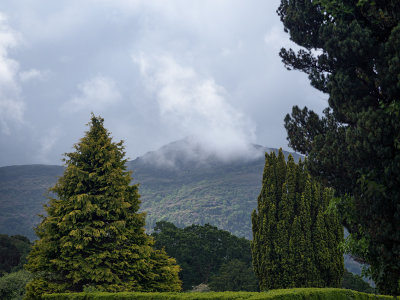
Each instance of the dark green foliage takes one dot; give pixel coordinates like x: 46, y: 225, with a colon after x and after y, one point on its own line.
x: 355, y: 146
x: 200, y: 250
x: 355, y: 282
x: 12, y: 286
x: 288, y: 294
x: 93, y: 235
x: 234, y: 275
x: 13, y: 252
x: 295, y: 242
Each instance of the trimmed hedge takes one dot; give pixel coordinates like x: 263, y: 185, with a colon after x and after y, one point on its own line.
x: 290, y: 294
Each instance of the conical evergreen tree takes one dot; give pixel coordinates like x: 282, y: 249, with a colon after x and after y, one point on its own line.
x: 93, y: 234
x: 295, y: 242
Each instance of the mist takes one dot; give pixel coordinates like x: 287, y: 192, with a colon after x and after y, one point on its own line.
x: 198, y: 106
x: 156, y: 72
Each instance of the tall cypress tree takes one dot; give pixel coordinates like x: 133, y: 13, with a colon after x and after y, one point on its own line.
x: 295, y: 242
x: 93, y: 235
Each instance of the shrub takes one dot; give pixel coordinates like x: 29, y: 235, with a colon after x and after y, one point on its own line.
x: 289, y: 294
x: 12, y: 285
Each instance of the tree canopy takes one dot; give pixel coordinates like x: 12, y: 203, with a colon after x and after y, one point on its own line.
x: 234, y: 275
x: 201, y: 251
x: 93, y: 235
x: 350, y: 50
x: 295, y: 241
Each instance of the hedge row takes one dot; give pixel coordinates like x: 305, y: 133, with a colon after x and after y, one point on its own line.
x: 290, y: 294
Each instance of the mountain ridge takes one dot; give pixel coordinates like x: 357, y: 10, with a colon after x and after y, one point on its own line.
x: 194, y: 187
x: 222, y: 195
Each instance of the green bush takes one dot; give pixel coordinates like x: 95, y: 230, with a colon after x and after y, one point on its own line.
x: 12, y: 286
x: 290, y: 294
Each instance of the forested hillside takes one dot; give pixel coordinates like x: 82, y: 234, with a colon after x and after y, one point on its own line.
x: 177, y: 184
x: 174, y: 187
x: 185, y: 185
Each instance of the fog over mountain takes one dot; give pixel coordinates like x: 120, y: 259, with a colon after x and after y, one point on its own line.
x: 181, y: 182
x: 193, y: 152
x: 156, y: 71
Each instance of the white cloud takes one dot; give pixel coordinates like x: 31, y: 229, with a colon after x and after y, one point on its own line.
x: 97, y: 93
x: 11, y: 105
x: 31, y: 74
x: 197, y: 106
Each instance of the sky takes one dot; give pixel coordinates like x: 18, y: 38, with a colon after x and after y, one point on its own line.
x: 156, y: 71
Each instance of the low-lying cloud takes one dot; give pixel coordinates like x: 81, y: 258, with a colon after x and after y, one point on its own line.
x: 197, y: 106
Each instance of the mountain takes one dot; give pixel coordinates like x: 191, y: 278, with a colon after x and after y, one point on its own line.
x: 182, y: 182
x: 22, y: 196
x: 186, y: 184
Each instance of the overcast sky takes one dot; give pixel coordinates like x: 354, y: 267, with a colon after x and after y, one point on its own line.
x: 156, y: 71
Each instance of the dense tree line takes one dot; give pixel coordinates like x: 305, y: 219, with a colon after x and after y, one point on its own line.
x: 208, y: 255
x: 355, y: 146
x: 295, y: 242
x: 233, y: 275
x: 93, y: 235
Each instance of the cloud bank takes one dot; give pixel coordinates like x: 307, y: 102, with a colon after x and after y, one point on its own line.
x: 209, y: 68
x: 198, y: 107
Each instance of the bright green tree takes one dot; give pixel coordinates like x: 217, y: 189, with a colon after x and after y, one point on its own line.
x: 350, y: 50
x: 295, y: 241
x: 93, y: 236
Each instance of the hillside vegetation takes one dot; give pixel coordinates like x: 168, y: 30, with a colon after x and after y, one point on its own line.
x: 183, y: 189
x: 174, y: 186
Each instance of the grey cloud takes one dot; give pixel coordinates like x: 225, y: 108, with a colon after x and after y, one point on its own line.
x: 198, y: 107
x: 224, y: 44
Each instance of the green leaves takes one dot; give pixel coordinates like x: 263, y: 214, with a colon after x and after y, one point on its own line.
x: 201, y: 250
x: 295, y: 242
x: 354, y: 148
x: 93, y: 234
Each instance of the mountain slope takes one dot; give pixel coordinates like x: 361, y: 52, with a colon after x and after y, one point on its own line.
x: 182, y: 182
x: 22, y: 196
